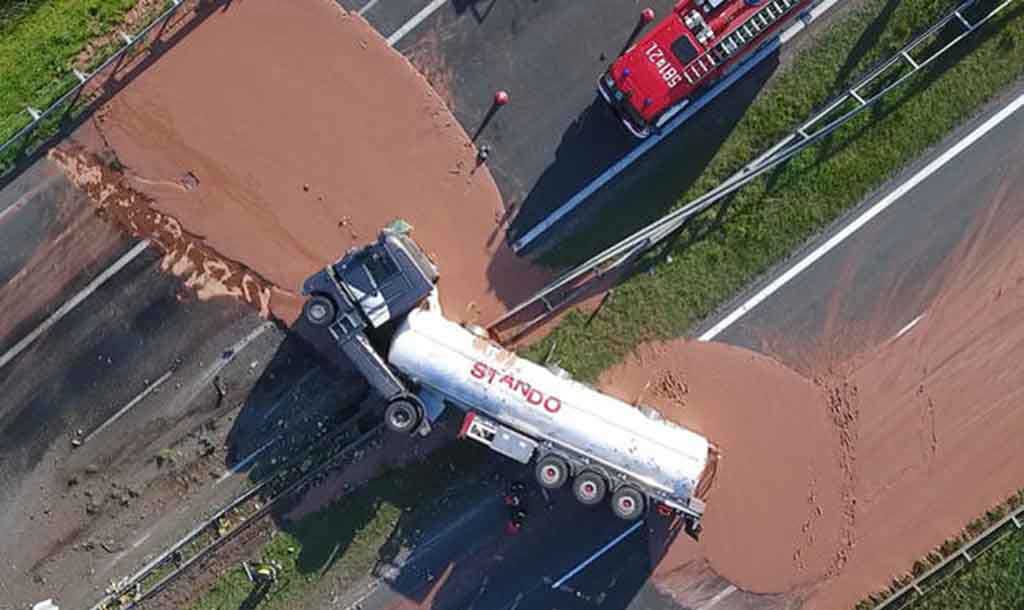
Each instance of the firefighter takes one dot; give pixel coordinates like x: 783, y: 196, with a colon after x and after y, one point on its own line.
x: 515, y: 500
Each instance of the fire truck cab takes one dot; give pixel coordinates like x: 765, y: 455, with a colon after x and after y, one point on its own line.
x: 694, y: 46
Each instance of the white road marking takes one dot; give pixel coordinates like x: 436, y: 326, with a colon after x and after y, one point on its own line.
x: 906, y: 329
x: 142, y: 395
x: 366, y: 8
x: 240, y: 465
x: 417, y: 19
x: 72, y: 303
x: 645, y: 145
x: 601, y: 551
x: 726, y: 592
x: 863, y: 219
x: 641, y: 149
x: 27, y: 196
x: 814, y: 13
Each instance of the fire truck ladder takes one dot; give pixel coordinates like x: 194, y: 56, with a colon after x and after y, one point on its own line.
x: 740, y: 37
x: 567, y: 289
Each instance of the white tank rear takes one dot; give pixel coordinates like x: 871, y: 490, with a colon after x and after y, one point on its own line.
x: 477, y: 374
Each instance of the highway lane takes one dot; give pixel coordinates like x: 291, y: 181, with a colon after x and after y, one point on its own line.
x: 555, y: 135
x: 875, y: 282
x: 142, y: 368
x: 885, y: 274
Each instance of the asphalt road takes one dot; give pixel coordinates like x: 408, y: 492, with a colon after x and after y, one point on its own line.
x: 875, y: 282
x: 135, y: 367
x: 883, y: 277
x: 555, y: 135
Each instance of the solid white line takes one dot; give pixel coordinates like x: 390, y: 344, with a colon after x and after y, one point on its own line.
x: 252, y: 456
x: 906, y: 329
x: 75, y: 301
x: 814, y: 13
x: 27, y: 196
x: 366, y: 8
x: 417, y: 19
x: 642, y: 148
x: 601, y: 551
x: 142, y: 395
x: 718, y: 597
x: 863, y: 219
x: 645, y: 145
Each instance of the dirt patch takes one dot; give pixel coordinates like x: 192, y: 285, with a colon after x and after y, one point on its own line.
x: 301, y: 134
x: 774, y: 521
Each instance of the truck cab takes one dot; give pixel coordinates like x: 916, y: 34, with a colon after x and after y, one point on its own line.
x: 359, y: 299
x: 694, y: 46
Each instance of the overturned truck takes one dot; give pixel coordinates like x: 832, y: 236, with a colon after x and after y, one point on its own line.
x: 379, y: 304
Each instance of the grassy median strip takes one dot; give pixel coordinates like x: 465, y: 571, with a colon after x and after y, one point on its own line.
x: 39, y: 40
x: 770, y: 218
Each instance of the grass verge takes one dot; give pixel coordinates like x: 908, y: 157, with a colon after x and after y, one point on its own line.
x: 994, y: 579
x: 728, y: 248
x: 39, y: 40
x: 342, y: 542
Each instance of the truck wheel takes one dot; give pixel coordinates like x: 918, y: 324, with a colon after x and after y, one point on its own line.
x: 628, y: 503
x: 589, y: 488
x: 402, y: 416
x: 552, y: 472
x: 318, y: 310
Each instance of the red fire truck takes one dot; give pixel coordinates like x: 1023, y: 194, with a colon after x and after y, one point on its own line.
x: 698, y: 43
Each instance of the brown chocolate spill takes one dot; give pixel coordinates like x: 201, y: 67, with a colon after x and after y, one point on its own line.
x: 185, y: 254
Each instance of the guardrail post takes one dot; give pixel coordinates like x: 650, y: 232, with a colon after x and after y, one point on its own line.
x: 126, y: 38
x: 1016, y: 521
x: 966, y: 555
x: 34, y: 113
x: 81, y: 76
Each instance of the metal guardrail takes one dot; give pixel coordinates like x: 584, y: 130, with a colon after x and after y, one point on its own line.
x: 70, y: 97
x: 886, y: 77
x: 921, y: 585
x: 241, y: 512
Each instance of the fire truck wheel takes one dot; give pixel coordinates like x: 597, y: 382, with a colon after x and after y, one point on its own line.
x: 402, y: 416
x: 589, y: 488
x: 552, y: 472
x: 628, y: 503
x: 318, y: 310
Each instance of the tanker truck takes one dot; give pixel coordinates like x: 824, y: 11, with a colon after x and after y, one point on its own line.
x: 379, y: 303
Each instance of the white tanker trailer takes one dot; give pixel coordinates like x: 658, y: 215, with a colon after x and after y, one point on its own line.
x: 381, y: 300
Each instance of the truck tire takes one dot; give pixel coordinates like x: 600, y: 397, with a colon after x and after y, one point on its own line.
x: 552, y: 472
x: 589, y: 488
x: 318, y: 310
x: 628, y: 503
x: 402, y: 416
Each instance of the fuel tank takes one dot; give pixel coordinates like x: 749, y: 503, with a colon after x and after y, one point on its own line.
x: 474, y: 373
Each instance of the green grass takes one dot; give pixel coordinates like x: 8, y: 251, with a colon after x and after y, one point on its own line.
x: 994, y: 581
x: 342, y: 542
x: 38, y: 41
x: 717, y: 256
